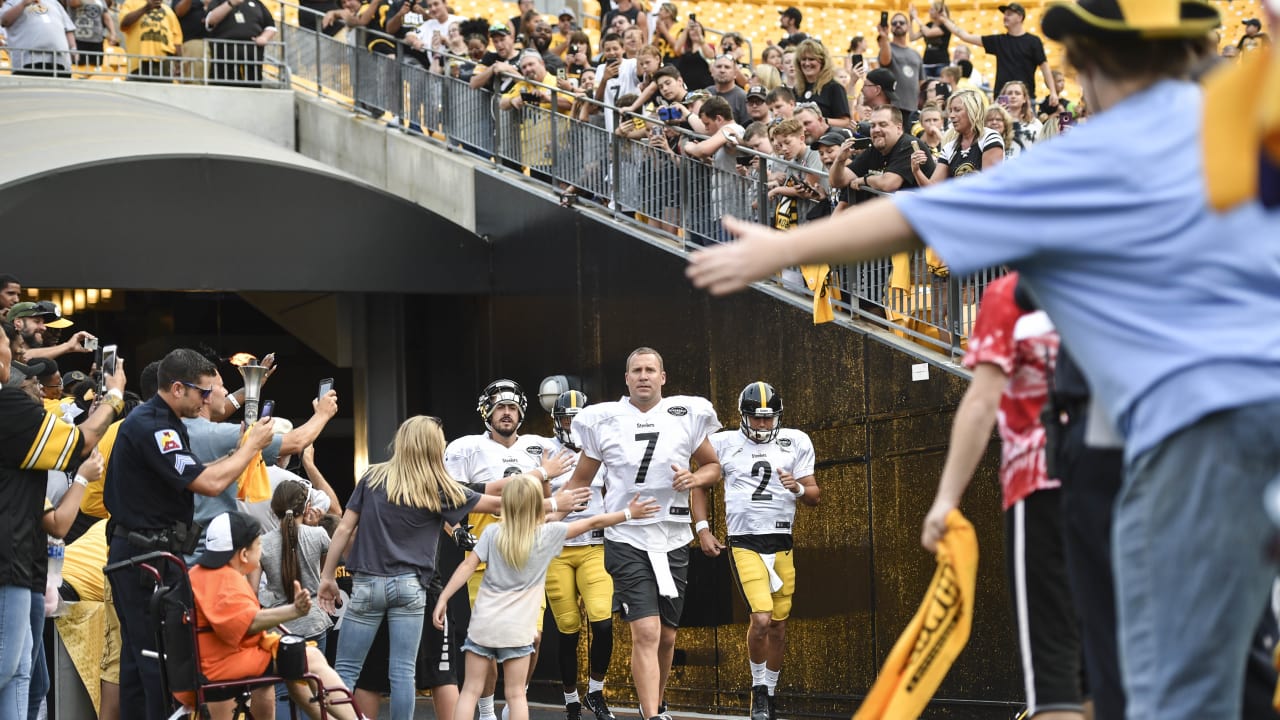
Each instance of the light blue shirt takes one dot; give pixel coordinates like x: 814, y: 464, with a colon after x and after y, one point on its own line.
x: 1171, y: 309
x: 211, y: 441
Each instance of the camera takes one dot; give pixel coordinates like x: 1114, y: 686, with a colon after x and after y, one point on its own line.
x: 669, y: 113
x: 529, y: 97
x: 573, y: 49
x: 90, y: 343
x: 693, y: 17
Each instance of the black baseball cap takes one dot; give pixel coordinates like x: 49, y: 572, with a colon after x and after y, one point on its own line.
x: 1016, y: 7
x: 757, y: 91
x: 228, y: 533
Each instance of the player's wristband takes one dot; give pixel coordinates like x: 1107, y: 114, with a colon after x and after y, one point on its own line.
x: 626, y: 514
x: 81, y: 481
x: 553, y: 505
x: 701, y: 525
x: 232, y: 399
x: 803, y: 489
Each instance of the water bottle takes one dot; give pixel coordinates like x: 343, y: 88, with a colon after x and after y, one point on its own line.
x: 53, y: 581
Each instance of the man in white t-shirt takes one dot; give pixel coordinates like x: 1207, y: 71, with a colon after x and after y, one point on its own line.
x: 645, y: 442
x: 486, y: 461
x: 433, y: 33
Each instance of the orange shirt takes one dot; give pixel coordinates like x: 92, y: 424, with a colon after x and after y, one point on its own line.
x: 226, y: 603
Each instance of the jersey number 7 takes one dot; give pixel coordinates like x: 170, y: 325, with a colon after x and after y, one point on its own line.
x: 652, y: 440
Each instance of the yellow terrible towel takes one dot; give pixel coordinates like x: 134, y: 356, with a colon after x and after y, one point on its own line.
x: 1241, y: 133
x: 818, y: 278
x: 253, y: 485
x: 935, y: 636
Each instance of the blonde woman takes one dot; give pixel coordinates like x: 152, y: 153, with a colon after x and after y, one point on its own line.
x: 400, y: 506
x: 1018, y: 102
x: 968, y: 147
x: 816, y: 83
x: 517, y: 552
x: 766, y: 76
x: 1001, y: 121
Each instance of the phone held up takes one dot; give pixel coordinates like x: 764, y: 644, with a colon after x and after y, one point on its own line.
x: 268, y: 407
x: 884, y: 19
x: 325, y: 386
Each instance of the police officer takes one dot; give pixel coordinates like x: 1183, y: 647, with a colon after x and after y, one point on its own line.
x: 149, y: 492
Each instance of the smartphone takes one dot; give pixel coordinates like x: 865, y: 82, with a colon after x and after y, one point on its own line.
x: 884, y: 19
x: 855, y: 60
x: 1004, y: 101
x: 268, y: 407
x: 108, y: 361
x: 562, y: 74
x: 861, y: 143
x: 325, y: 386
x: 693, y: 18
x: 90, y: 343
x: 1066, y: 119
x: 529, y: 97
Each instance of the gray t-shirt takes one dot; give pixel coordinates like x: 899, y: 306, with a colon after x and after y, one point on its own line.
x: 907, y: 68
x: 212, y: 441
x: 398, y: 539
x: 313, y: 543
x: 507, y: 606
x: 88, y: 21
x: 41, y: 29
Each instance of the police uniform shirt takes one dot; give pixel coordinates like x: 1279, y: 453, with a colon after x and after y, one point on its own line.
x: 636, y: 450
x: 151, y: 466
x: 32, y: 442
x: 755, y: 501
x: 595, y: 505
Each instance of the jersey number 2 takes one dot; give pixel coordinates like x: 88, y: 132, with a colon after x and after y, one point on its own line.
x: 765, y: 471
x: 652, y: 440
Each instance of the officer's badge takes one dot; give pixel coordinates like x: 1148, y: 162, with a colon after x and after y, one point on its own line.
x: 168, y: 441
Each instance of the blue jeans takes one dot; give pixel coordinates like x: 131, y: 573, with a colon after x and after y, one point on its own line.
x: 282, y: 691
x: 39, y: 668
x: 1191, y: 570
x: 403, y: 602
x: 15, y: 650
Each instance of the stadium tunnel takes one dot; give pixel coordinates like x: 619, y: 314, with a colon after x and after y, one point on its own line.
x: 102, y: 189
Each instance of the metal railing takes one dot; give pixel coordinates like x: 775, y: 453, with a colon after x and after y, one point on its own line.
x: 673, y: 194
x: 241, y: 63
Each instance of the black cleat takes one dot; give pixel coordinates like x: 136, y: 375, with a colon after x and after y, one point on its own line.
x: 760, y: 702
x: 598, y: 707
x: 773, y: 707
x: 573, y: 711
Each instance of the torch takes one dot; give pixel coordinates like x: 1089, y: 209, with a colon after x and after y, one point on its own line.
x: 253, y: 374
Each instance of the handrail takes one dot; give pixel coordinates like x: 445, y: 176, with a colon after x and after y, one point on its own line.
x: 242, y: 63
x: 673, y: 195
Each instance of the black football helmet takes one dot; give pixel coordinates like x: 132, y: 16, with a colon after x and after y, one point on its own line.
x: 500, y: 392
x: 567, y: 405
x: 760, y: 400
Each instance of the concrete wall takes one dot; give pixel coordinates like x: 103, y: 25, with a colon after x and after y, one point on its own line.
x: 265, y: 113
x: 421, y: 172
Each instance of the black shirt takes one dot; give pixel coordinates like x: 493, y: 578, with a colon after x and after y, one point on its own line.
x: 792, y: 39
x: 192, y: 23
x: 377, y: 43
x: 1017, y: 57
x: 897, y: 162
x: 150, y: 469
x: 498, y: 83
x: 244, y: 22
x: 694, y: 69
x: 831, y: 99
x: 32, y: 442
x: 935, y: 48
x: 633, y: 15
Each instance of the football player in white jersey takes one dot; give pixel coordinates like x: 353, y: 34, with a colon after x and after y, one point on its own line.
x: 485, y: 461
x: 768, y: 470
x: 578, y: 572
x: 644, y: 443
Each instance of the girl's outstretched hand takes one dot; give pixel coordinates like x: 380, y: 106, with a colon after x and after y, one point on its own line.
x: 643, y: 507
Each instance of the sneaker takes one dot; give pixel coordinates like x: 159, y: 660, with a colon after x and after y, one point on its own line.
x: 773, y: 707
x: 759, y: 702
x: 506, y: 712
x: 573, y: 711
x: 598, y: 707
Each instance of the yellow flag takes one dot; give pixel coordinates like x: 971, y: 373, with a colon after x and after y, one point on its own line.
x: 818, y: 278
x: 253, y: 485
x: 935, y: 636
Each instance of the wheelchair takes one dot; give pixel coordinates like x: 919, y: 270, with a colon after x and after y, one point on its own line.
x: 172, y: 612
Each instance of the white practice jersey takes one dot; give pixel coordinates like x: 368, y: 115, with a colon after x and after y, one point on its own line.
x: 636, y: 450
x: 755, y: 502
x: 594, y: 507
x: 475, y: 459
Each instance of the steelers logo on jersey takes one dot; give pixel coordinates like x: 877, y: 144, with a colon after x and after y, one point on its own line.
x: 678, y: 410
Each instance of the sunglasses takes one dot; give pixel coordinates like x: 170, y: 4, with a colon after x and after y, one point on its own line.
x: 204, y: 392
